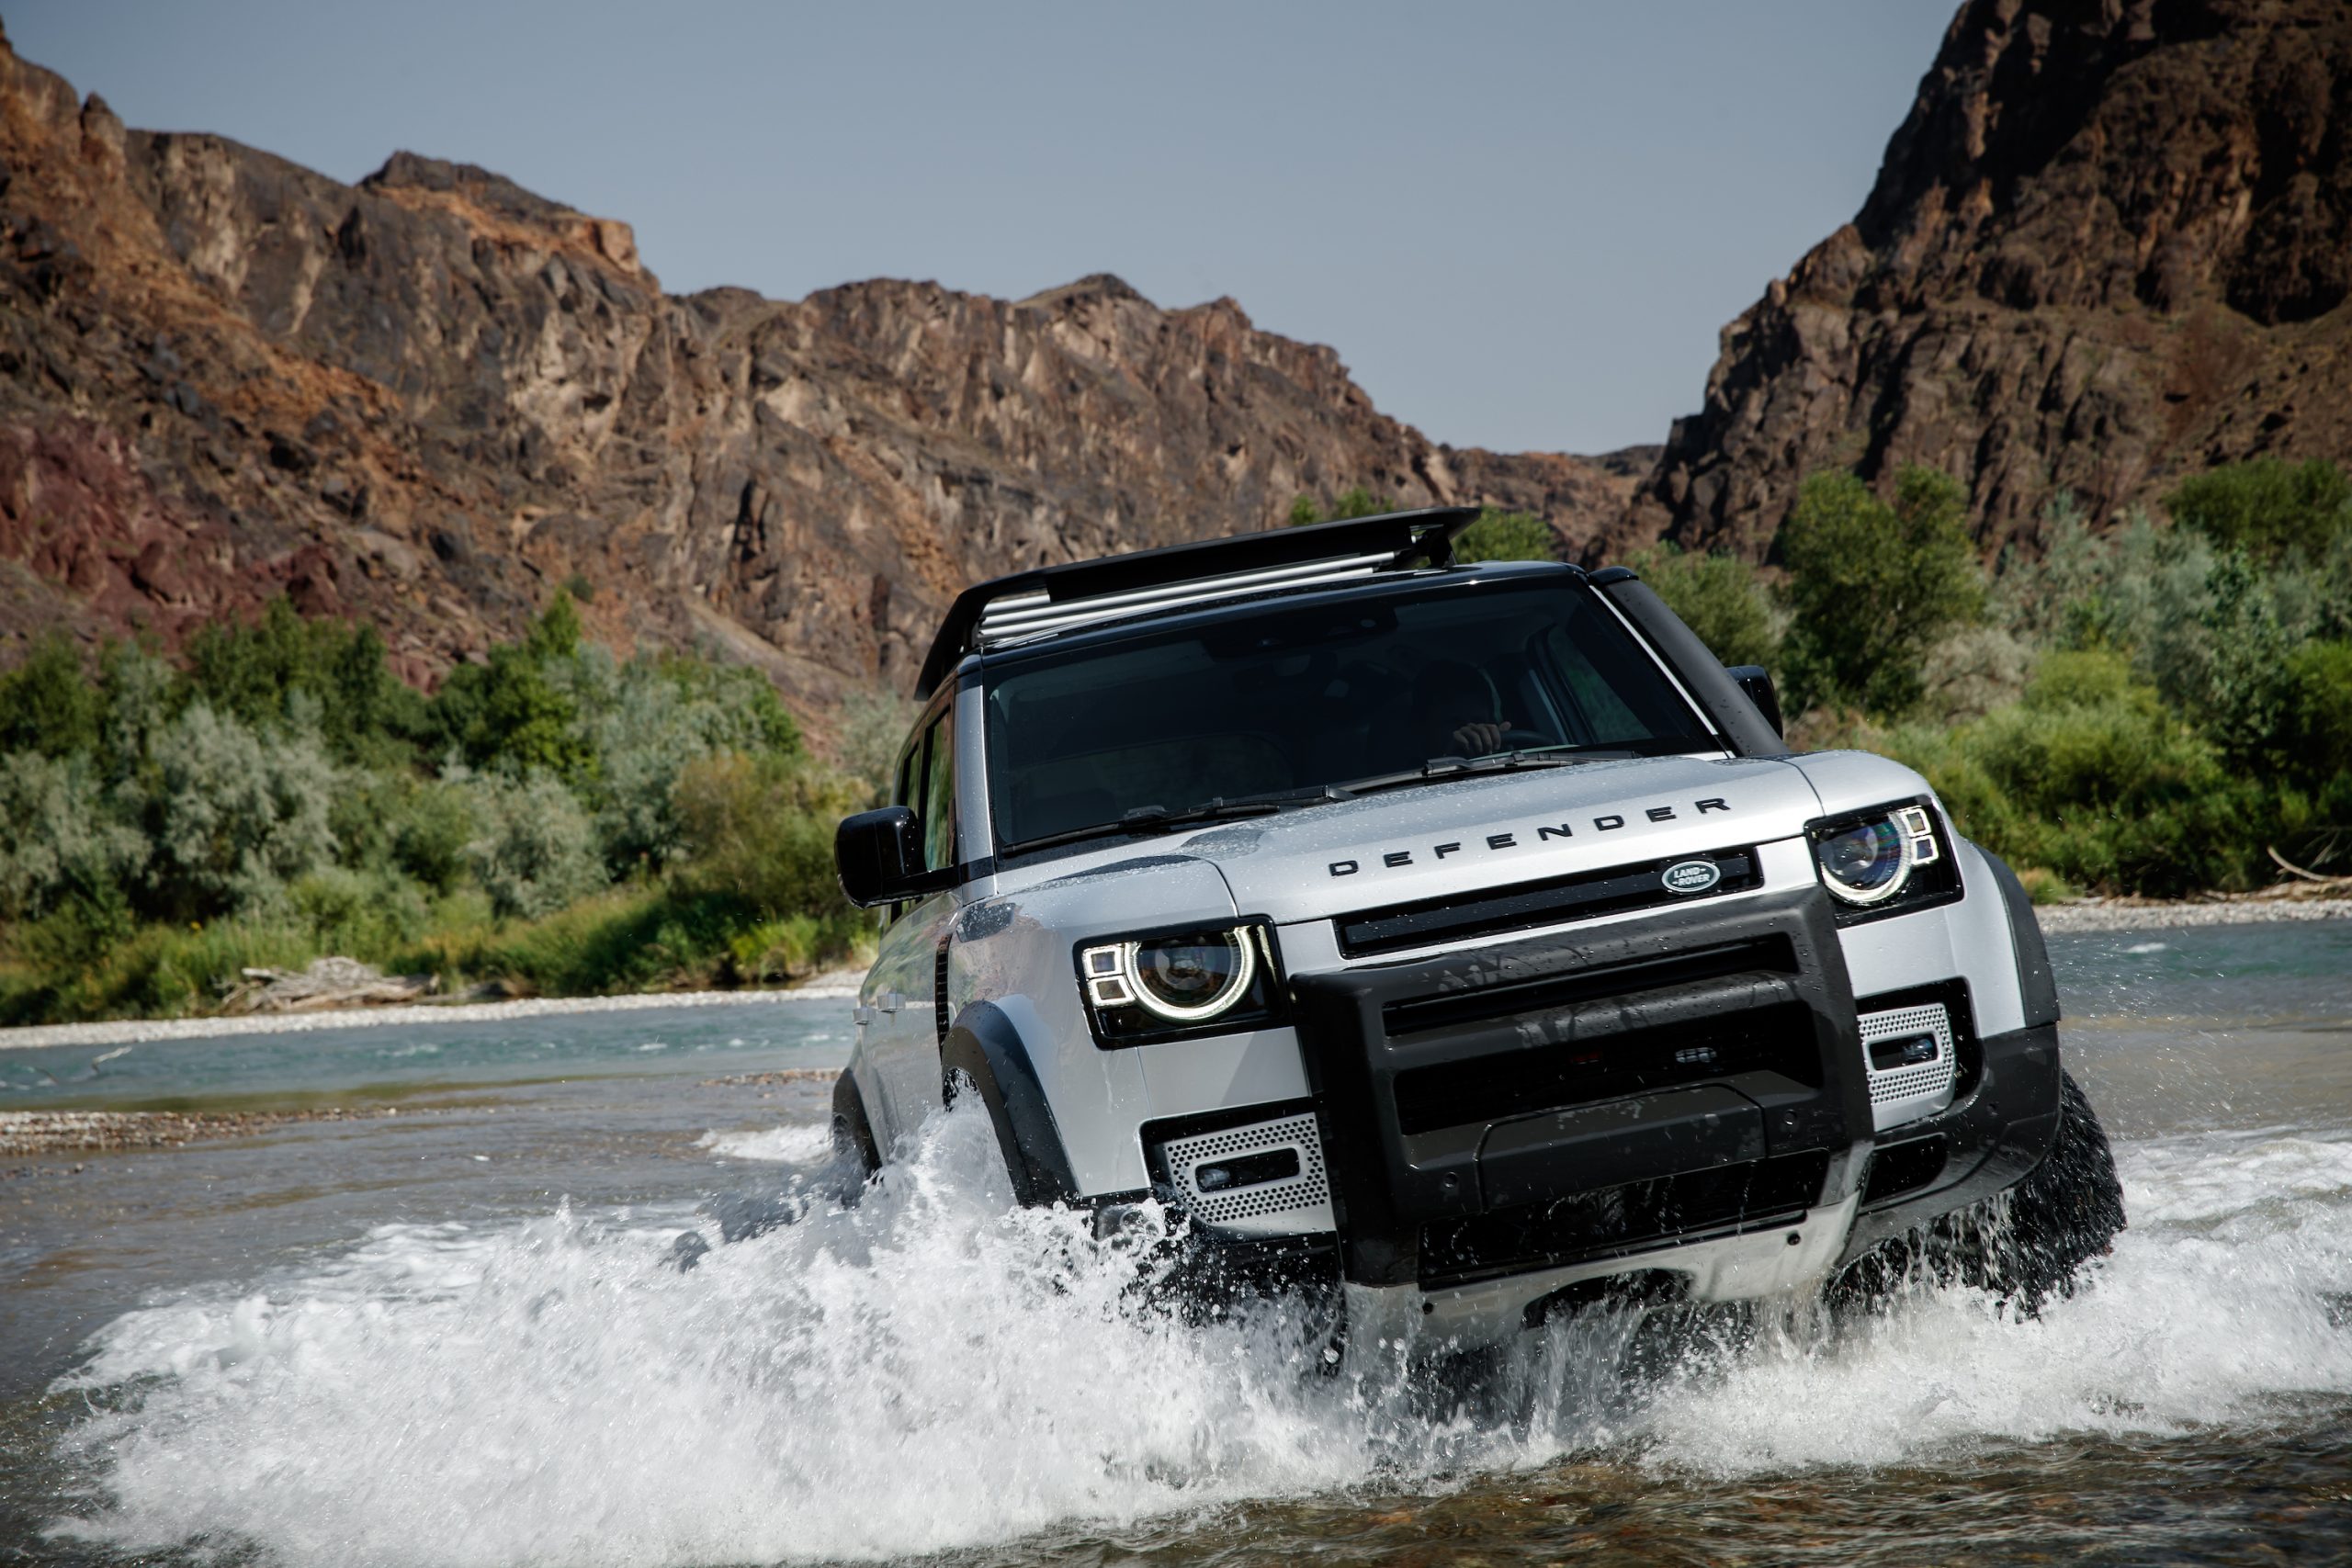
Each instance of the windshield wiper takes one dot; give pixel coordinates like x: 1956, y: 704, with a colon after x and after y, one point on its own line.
x: 1437, y: 769
x: 1149, y: 819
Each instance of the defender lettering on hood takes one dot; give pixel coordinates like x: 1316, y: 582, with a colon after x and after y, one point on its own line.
x: 1607, y: 822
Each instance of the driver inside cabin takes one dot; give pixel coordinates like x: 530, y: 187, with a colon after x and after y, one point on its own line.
x: 1455, y: 713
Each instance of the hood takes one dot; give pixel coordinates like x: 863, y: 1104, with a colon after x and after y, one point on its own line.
x: 1426, y: 840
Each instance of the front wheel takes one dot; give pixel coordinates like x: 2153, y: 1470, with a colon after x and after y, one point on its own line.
x: 2025, y: 1245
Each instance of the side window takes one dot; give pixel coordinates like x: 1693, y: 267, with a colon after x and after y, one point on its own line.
x: 939, y: 794
x: 907, y: 789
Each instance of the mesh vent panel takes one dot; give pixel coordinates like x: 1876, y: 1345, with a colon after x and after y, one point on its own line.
x: 1306, y: 1195
x: 1908, y: 1083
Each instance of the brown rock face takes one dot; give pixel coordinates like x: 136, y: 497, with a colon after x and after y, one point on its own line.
x: 2111, y: 245
x: 428, y: 399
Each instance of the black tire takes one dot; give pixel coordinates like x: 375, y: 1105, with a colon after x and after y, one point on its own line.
x: 2025, y: 1245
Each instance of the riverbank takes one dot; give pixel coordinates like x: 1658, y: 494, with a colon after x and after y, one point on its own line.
x: 2087, y: 915
x: 839, y: 985
x: 105, y: 1131
x: 2220, y: 909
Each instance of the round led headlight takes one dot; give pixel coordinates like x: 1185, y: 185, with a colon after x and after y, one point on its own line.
x: 1194, y: 978
x: 1868, y: 863
x: 1181, y: 978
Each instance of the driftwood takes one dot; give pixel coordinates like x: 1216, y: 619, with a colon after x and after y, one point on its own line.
x: 327, y: 983
x: 2291, y: 868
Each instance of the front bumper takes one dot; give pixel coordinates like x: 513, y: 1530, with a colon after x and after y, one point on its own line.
x: 1683, y: 1094
x: 1553, y: 1102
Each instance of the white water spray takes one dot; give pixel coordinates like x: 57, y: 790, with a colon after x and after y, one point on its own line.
x: 933, y: 1368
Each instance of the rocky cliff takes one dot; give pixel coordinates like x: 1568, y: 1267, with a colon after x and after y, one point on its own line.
x: 428, y: 399
x: 2111, y: 245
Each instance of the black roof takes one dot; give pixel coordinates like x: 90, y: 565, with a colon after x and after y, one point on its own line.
x: 1413, y: 538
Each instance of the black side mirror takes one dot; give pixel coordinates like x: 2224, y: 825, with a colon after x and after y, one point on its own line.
x: 1754, y: 680
x: 879, y: 855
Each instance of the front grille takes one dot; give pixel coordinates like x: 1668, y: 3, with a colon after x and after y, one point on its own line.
x: 1531, y: 905
x: 1612, y: 1220
x: 1447, y: 1009
x: 1774, y: 1039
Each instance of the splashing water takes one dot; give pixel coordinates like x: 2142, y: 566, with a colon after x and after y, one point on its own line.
x: 933, y: 1368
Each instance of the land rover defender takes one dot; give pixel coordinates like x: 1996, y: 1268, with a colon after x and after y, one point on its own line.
x: 1467, y: 933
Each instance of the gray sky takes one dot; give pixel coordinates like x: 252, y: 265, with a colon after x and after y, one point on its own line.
x: 1522, y: 225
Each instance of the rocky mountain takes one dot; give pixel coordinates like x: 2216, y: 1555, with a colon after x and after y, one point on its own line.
x: 2111, y: 245
x: 428, y: 399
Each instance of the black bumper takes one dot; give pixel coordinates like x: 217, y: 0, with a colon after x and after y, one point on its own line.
x: 1672, y: 1078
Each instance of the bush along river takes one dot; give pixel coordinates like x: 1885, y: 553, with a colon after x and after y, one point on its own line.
x: 448, y: 1326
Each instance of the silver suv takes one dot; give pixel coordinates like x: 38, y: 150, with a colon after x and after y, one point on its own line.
x: 1463, y: 934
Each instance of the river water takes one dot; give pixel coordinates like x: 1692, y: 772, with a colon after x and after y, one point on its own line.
x: 456, y: 1335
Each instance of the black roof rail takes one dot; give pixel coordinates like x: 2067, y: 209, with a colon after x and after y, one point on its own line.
x: 1422, y: 537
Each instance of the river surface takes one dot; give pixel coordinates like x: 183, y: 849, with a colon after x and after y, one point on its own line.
x: 457, y: 1334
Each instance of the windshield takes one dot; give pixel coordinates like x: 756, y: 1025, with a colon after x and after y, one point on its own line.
x: 1285, y: 700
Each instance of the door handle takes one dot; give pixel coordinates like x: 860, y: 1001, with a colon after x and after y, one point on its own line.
x: 891, y: 1001
x: 861, y: 1015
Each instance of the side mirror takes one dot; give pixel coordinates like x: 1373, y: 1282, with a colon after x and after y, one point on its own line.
x: 1753, y: 680
x: 879, y: 855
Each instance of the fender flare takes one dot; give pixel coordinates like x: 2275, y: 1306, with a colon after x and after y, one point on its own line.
x: 2037, y: 982
x: 985, y: 1049
x: 853, y: 1130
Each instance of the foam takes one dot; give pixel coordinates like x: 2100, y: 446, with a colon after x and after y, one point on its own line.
x: 933, y: 1368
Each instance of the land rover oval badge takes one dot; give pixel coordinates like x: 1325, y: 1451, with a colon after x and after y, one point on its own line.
x: 1690, y: 876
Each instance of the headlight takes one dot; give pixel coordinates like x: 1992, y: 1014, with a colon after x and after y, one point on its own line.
x: 1892, y: 855
x: 1189, y: 982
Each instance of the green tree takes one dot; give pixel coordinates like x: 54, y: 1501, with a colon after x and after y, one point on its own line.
x: 48, y: 704
x: 1719, y: 597
x: 1873, y: 586
x: 1506, y: 536
x: 2268, y: 508
x: 253, y: 673
x: 234, y: 817
x: 533, y: 849
x: 1355, y: 501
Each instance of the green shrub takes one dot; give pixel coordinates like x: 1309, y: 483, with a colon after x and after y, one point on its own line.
x: 2268, y: 508
x: 534, y: 850
x: 359, y: 914
x: 2089, y: 777
x: 1506, y: 536
x: 1719, y: 597
x: 646, y: 719
x: 1356, y: 502
x: 61, y: 839
x: 761, y: 829
x: 232, y: 818
x: 1873, y: 586
x: 2316, y: 734
x: 47, y: 704
x: 872, y: 724
x: 431, y: 827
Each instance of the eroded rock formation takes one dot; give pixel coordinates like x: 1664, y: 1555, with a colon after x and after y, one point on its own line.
x: 2111, y: 245
x: 429, y: 399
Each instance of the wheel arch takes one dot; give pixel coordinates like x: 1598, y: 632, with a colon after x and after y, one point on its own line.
x: 985, y: 1048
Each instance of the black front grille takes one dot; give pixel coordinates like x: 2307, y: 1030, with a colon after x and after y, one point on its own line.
x: 1776, y: 1039
x: 1534, y: 904
x: 1771, y: 954
x: 1612, y: 1220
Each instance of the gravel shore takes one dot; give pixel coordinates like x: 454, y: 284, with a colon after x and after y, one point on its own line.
x: 53, y: 1131
x: 838, y: 985
x: 2145, y: 914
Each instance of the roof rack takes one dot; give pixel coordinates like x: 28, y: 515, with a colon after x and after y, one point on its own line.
x: 1057, y: 598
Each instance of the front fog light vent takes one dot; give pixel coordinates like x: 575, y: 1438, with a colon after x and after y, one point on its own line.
x: 1911, y: 1063
x: 1267, y: 1177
